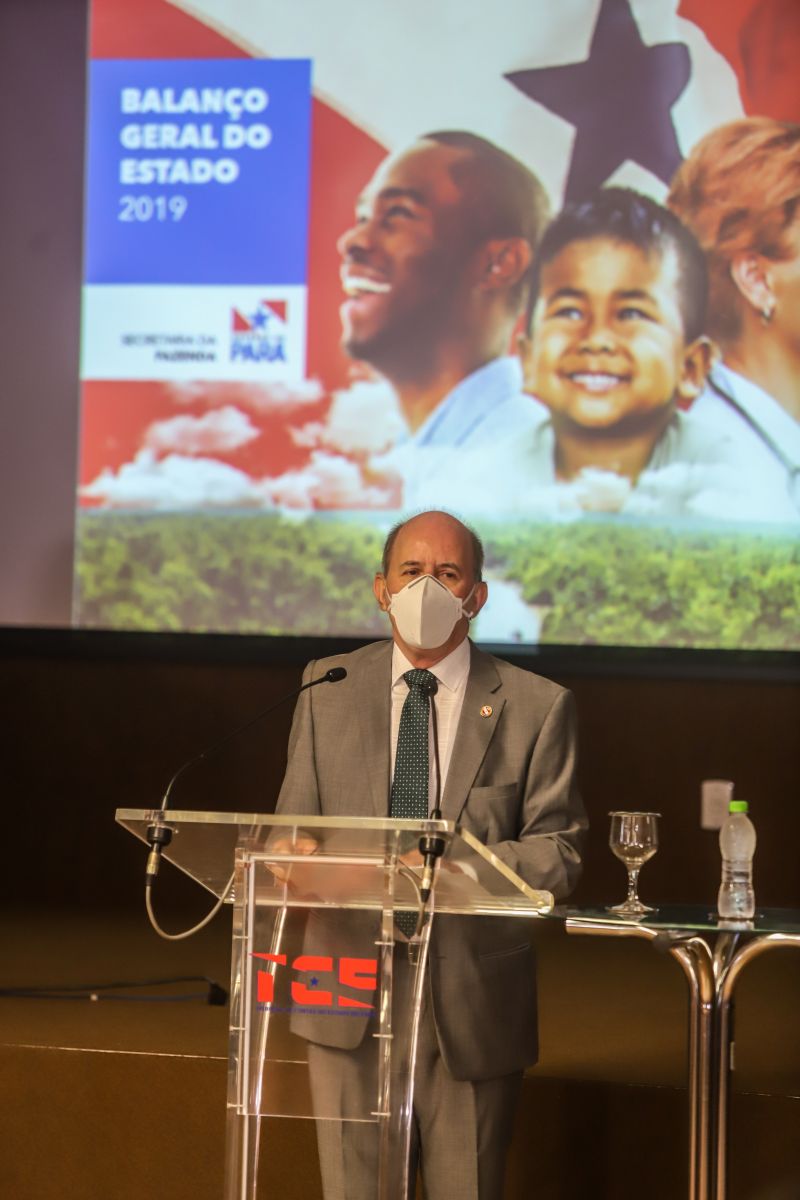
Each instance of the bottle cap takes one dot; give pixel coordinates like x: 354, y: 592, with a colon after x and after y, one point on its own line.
x: 737, y: 806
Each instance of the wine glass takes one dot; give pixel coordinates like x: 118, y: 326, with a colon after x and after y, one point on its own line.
x: 634, y: 839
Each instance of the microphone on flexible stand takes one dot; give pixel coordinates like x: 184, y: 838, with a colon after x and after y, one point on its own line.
x: 159, y: 835
x: 432, y: 845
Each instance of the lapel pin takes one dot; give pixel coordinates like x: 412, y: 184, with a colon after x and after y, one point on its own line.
x: 486, y: 711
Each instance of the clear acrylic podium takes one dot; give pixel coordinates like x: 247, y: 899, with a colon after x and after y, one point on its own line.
x: 322, y: 1023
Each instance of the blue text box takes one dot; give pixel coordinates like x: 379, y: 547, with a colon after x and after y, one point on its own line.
x: 198, y: 171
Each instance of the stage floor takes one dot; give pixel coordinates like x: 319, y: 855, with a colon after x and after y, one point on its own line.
x: 111, y: 1100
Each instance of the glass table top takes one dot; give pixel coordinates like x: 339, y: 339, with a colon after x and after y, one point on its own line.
x: 690, y: 918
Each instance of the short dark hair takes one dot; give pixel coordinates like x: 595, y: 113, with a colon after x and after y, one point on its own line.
x: 475, y: 541
x: 623, y: 215
x: 505, y: 197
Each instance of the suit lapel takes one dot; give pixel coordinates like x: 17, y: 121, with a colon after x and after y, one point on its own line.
x: 474, y: 733
x: 374, y: 715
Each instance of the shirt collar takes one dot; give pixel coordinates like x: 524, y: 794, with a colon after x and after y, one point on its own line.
x: 451, y: 671
x: 469, y: 402
x: 767, y: 414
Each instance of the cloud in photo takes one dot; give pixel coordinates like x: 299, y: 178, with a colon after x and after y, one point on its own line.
x: 328, y: 481
x: 217, y: 432
x: 362, y: 421
x: 177, y: 481
x: 268, y: 398
x: 174, y: 482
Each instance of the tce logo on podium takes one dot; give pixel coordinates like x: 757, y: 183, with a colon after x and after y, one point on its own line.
x: 360, y: 974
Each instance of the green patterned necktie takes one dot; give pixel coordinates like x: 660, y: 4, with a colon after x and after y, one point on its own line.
x: 410, y: 783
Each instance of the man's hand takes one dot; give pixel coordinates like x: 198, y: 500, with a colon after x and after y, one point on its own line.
x: 414, y: 859
x: 300, y: 843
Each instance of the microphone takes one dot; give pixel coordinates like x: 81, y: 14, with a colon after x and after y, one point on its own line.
x: 160, y: 835
x: 431, y: 846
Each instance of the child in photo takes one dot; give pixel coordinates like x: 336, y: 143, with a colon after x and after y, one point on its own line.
x: 615, y: 350
x: 615, y: 341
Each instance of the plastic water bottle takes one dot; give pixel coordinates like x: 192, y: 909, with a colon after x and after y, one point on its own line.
x: 737, y: 842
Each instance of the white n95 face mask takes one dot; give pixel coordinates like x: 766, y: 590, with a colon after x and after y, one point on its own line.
x: 426, y: 612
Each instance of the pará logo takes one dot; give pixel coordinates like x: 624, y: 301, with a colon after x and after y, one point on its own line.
x: 260, y: 335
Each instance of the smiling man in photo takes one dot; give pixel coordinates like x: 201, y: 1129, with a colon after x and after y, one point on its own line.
x: 435, y: 274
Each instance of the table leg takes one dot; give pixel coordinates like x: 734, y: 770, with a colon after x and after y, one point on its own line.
x: 725, y: 985
x: 696, y: 961
x: 695, y: 958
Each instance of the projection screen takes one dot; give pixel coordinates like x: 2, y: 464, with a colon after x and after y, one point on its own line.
x: 313, y: 304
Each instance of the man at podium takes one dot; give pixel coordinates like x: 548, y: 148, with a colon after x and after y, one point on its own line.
x: 506, y: 772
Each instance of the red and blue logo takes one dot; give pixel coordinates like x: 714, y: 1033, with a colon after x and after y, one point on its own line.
x: 259, y: 335
x: 318, y: 982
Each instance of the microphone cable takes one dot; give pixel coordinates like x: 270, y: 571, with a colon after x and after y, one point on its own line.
x: 159, y: 834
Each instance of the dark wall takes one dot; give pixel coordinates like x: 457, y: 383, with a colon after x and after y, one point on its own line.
x: 85, y: 735
x: 648, y: 742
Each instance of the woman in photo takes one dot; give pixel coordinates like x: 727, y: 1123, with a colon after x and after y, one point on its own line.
x: 739, y: 192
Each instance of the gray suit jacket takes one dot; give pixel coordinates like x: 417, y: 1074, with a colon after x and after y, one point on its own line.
x: 511, y: 782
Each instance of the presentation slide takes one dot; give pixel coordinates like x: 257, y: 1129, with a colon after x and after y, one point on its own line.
x: 535, y: 265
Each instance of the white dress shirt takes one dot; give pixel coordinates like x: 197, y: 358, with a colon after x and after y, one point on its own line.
x: 767, y: 435
x: 486, y: 405
x: 451, y: 673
